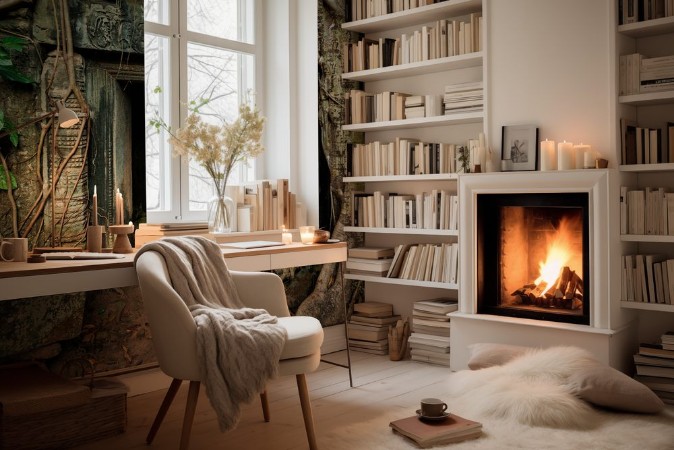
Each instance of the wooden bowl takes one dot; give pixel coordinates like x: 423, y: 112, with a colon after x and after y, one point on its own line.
x: 321, y: 236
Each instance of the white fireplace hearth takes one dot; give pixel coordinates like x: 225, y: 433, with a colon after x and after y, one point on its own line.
x: 610, y: 332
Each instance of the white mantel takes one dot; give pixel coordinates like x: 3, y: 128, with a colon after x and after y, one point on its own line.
x: 610, y: 330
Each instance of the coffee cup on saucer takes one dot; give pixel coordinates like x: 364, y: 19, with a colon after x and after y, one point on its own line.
x: 433, y: 408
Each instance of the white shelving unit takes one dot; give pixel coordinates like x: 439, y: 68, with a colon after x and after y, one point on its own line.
x: 419, y: 78
x: 651, y: 38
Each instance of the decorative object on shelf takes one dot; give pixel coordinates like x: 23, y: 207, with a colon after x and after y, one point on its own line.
x: 601, y: 163
x: 463, y: 155
x: 548, y: 156
x: 286, y: 237
x: 519, y: 147
x: 307, y: 234
x: 14, y: 249
x: 122, y: 243
x: 565, y: 156
x: 218, y: 148
x: 321, y: 236
x: 397, y: 340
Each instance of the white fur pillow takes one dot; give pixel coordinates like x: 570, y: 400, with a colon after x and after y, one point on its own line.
x: 487, y: 354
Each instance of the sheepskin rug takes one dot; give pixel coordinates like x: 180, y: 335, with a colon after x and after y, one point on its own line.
x: 532, y: 389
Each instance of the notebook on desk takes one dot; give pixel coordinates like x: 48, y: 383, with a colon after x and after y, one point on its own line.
x: 81, y: 255
x: 251, y: 244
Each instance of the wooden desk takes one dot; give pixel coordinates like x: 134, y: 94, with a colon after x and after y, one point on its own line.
x: 23, y: 280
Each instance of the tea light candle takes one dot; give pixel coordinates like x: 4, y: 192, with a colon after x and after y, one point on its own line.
x: 580, y: 151
x: 94, y: 207
x: 307, y: 234
x: 548, y: 155
x: 286, y: 237
x: 565, y: 158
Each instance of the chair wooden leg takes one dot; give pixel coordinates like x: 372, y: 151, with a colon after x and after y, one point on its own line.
x: 190, y: 408
x: 305, y: 402
x: 165, y: 404
x: 265, y: 405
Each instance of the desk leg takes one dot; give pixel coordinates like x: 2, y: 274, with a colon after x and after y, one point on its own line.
x: 346, y: 319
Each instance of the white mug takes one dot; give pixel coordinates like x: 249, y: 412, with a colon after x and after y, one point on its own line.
x: 14, y: 249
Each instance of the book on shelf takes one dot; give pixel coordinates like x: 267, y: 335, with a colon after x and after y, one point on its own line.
x: 373, y: 265
x: 373, y: 309
x: 437, y: 305
x: 371, y: 252
x: 648, y: 349
x: 427, y: 434
x: 362, y: 334
x: 655, y: 371
x: 358, y: 318
x: 653, y: 361
x: 438, y: 331
x: 667, y: 338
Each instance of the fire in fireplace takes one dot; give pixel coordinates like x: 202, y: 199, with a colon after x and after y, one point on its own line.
x: 533, y: 256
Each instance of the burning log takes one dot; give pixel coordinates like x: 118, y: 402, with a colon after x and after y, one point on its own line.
x: 566, y: 292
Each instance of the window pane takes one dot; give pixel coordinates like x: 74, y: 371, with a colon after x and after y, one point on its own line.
x: 157, y: 150
x: 157, y: 11
x: 228, y: 19
x: 223, y: 79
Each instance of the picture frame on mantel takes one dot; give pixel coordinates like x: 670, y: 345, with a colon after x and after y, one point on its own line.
x: 519, y: 147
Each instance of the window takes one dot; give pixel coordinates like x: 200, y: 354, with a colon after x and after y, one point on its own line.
x: 196, y: 51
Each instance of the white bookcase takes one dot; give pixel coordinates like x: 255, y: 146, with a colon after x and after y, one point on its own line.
x: 420, y: 78
x: 652, y: 38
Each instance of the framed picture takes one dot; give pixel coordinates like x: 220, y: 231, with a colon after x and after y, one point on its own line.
x: 519, y: 148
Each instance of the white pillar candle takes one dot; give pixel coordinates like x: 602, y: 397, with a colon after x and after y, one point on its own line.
x: 548, y: 155
x: 307, y: 234
x: 580, y: 150
x: 565, y: 158
x: 589, y: 160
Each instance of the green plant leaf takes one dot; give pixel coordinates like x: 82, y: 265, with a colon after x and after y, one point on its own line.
x: 13, y: 42
x: 14, y: 138
x: 157, y: 90
x: 10, y: 73
x: 3, y: 180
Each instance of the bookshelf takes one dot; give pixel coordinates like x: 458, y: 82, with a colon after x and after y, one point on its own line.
x: 652, y: 39
x: 428, y: 77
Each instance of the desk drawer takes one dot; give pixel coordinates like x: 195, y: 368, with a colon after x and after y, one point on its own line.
x: 249, y: 263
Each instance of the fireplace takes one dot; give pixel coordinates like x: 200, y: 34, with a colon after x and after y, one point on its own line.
x: 532, y: 256
x: 508, y: 223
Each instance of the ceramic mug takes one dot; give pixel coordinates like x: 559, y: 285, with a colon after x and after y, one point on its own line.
x: 14, y: 249
x: 432, y: 407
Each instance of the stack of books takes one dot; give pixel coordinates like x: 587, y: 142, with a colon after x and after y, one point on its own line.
x: 648, y: 279
x: 655, y: 367
x: 639, y: 74
x: 428, y: 434
x: 368, y: 327
x: 463, y: 97
x: 415, y: 106
x: 429, y: 341
x: 374, y: 261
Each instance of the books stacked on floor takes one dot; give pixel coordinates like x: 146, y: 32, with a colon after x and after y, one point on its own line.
x: 428, y: 434
x: 374, y: 261
x: 655, y: 367
x: 368, y: 327
x: 463, y: 97
x: 429, y: 341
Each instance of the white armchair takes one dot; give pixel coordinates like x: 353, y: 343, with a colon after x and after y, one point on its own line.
x: 174, y: 337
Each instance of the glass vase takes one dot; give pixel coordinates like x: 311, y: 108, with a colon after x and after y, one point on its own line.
x: 220, y: 210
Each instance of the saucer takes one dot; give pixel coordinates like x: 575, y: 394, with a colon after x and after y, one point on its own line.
x: 440, y: 418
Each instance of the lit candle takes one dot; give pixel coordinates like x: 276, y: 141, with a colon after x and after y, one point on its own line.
x: 548, y: 155
x: 307, y: 234
x: 580, y: 151
x: 565, y: 160
x: 286, y: 237
x: 95, y: 206
x: 119, y: 208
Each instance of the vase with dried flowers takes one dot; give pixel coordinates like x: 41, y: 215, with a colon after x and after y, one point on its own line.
x: 218, y: 149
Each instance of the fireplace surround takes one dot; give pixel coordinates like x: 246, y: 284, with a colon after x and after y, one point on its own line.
x: 605, y: 329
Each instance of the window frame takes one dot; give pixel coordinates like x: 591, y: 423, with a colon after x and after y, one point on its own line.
x: 179, y: 36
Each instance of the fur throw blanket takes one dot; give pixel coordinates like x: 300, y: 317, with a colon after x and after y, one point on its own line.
x: 238, y: 347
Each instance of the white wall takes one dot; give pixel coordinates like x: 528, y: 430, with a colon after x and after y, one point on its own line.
x: 548, y: 65
x: 290, y: 62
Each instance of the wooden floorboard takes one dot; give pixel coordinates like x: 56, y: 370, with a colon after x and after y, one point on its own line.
x: 381, y: 387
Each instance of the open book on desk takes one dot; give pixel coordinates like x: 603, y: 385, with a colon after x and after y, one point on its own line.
x: 81, y: 255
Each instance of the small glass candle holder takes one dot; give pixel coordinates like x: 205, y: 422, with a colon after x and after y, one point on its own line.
x: 307, y: 234
x: 286, y: 237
